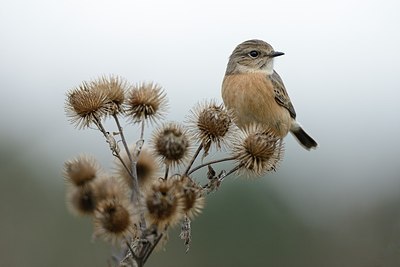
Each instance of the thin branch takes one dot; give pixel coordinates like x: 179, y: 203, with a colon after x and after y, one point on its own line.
x: 193, y: 158
x: 230, y: 172
x: 138, y: 147
x: 121, y: 132
x: 145, y: 258
x: 166, y: 171
x: 133, y: 254
x: 144, y: 249
x: 100, y: 126
x: 209, y: 163
x: 123, y: 164
x: 136, y: 259
x: 142, y: 131
x: 136, y: 198
x: 107, y: 137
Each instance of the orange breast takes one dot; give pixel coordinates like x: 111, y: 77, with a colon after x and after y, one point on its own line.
x: 251, y: 97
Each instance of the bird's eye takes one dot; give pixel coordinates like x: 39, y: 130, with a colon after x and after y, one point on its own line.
x: 254, y: 54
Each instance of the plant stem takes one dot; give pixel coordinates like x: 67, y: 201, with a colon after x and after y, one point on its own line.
x: 123, y: 164
x: 135, y: 192
x: 147, y: 255
x: 107, y: 136
x: 132, y: 252
x: 135, y: 197
x: 194, y: 158
x: 231, y: 171
x: 142, y: 131
x: 166, y: 171
x: 121, y: 132
x: 209, y: 163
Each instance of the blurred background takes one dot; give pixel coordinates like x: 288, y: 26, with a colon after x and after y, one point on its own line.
x: 335, y: 206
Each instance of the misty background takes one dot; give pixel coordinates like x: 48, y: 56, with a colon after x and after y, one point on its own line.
x: 335, y: 206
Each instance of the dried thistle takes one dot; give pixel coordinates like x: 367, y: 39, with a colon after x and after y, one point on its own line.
x: 211, y: 124
x: 192, y: 195
x: 110, y: 187
x: 147, y: 169
x: 85, y: 106
x: 81, y: 200
x: 164, y: 204
x: 146, y: 101
x: 257, y: 150
x: 171, y: 143
x: 81, y: 170
x: 115, y: 88
x: 114, y: 220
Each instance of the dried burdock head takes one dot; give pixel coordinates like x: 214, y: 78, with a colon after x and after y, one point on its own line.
x: 171, y: 143
x: 114, y: 221
x: 164, y: 204
x: 257, y: 150
x: 146, y: 101
x: 82, y: 200
x: 192, y: 195
x: 211, y: 124
x: 109, y: 187
x: 147, y: 168
x: 85, y: 106
x: 81, y: 170
x: 115, y: 89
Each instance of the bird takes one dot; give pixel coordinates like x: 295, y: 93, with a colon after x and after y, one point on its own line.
x: 255, y: 92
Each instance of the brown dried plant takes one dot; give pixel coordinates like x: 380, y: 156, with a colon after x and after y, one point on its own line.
x: 136, y: 206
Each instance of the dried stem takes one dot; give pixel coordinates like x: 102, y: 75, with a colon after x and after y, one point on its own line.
x: 230, y: 172
x: 193, y: 158
x: 123, y: 139
x: 166, y: 171
x: 142, y: 131
x: 123, y: 164
x: 147, y: 255
x: 209, y: 163
x: 133, y: 254
x: 135, y: 192
x: 134, y: 160
x: 100, y: 126
x: 135, y: 197
x: 115, y: 152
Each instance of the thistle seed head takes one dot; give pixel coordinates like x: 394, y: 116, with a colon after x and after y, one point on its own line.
x: 85, y: 106
x: 81, y: 200
x: 114, y: 220
x: 164, y: 204
x: 81, y: 170
x: 115, y: 88
x: 211, y: 123
x: 171, y: 143
x: 192, y: 195
x: 110, y: 187
x: 146, y: 101
x: 257, y: 150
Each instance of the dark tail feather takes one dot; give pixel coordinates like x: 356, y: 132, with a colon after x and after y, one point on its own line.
x: 305, y: 140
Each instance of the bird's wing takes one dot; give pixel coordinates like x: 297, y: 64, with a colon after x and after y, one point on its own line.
x: 281, y: 96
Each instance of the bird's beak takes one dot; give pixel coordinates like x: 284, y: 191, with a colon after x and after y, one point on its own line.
x: 276, y: 54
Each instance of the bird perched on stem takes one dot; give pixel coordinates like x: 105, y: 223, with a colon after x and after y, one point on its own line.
x: 256, y: 94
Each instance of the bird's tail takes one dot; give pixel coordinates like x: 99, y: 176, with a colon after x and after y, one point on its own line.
x: 304, y: 139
